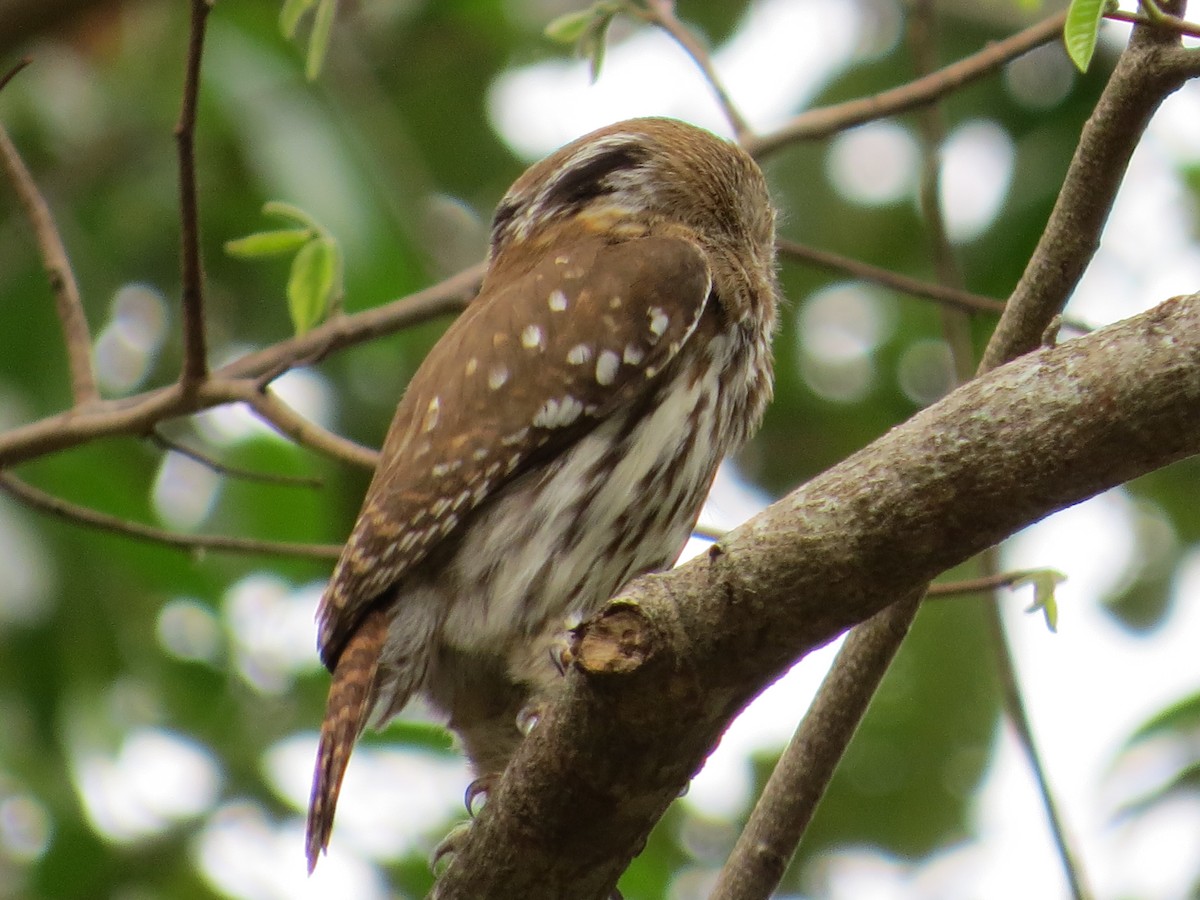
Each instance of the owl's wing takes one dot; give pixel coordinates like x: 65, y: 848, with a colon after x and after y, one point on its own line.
x: 529, y: 368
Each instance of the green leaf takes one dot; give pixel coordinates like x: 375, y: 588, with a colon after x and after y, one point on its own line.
x: 269, y: 243
x: 291, y: 213
x: 570, y: 27
x: 1044, y: 582
x: 318, y: 41
x: 290, y: 15
x: 1081, y: 30
x: 310, y: 286
x: 594, y: 42
x: 1181, y: 718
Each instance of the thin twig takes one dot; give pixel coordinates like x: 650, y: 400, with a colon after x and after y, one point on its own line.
x: 142, y: 412
x: 215, y: 465
x: 887, y: 278
x: 67, y: 303
x: 985, y: 583
x: 12, y: 73
x: 1018, y: 717
x: 1174, y: 23
x: 82, y: 515
x: 828, y: 120
x: 268, y: 407
x: 662, y: 14
x: 195, y: 354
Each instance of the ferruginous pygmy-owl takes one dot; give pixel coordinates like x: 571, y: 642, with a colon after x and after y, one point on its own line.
x: 558, y: 440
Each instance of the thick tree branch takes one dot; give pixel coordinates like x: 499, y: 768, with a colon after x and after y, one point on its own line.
x: 1053, y: 428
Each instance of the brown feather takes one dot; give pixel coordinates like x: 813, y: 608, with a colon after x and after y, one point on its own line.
x: 351, y: 697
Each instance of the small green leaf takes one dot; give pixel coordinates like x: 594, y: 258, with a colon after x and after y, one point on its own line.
x: 1180, y: 719
x: 570, y: 27
x: 1081, y: 30
x: 288, y: 211
x: 594, y: 42
x: 310, y: 285
x: 269, y: 243
x: 290, y: 15
x: 318, y: 41
x: 1044, y: 582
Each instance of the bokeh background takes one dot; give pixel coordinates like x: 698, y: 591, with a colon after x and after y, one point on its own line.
x: 158, y: 709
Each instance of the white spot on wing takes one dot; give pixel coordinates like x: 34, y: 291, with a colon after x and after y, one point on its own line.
x: 533, y: 337
x: 472, y: 365
x: 579, y: 354
x: 511, y: 440
x: 558, y: 413
x: 557, y: 301
x: 658, y: 321
x: 606, y: 368
x: 633, y: 354
x: 431, y: 415
x: 497, y: 377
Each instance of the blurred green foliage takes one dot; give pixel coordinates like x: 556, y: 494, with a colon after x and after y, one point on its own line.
x: 396, y: 121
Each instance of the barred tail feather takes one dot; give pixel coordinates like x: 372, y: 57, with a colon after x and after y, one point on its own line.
x: 351, y: 697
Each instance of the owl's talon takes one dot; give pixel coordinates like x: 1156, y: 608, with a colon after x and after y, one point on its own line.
x: 528, y: 717
x: 561, y: 654
x: 480, y: 787
x: 444, y: 852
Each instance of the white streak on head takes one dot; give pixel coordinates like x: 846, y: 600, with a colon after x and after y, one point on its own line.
x: 579, y: 354
x: 557, y: 300
x: 533, y: 338
x: 497, y: 377
x: 607, y: 365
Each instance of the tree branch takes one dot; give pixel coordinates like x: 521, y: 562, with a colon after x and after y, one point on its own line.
x: 903, y: 284
x: 1145, y: 75
x: 829, y: 120
x: 67, y: 304
x: 662, y: 14
x: 195, y: 354
x: 1053, y: 428
x: 165, y: 443
x: 139, y: 414
x: 791, y: 795
x: 292, y: 425
x: 193, y: 543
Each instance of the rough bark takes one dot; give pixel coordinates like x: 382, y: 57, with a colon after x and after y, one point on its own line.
x: 1042, y: 433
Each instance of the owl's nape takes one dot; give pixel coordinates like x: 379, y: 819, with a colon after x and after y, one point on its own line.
x: 558, y: 441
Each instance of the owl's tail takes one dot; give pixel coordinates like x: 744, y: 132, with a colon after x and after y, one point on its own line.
x: 351, y: 697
